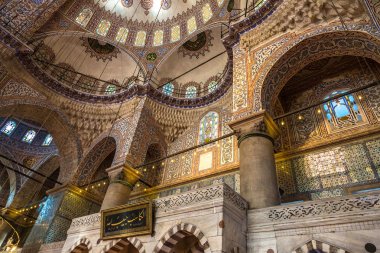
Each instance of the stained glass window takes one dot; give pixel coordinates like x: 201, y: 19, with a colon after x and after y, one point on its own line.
x: 191, y: 25
x: 29, y: 136
x: 122, y: 35
x: 212, y: 86
x: 103, y: 27
x: 111, y: 89
x: 168, y: 89
x: 84, y: 17
x: 208, y: 129
x: 48, y: 140
x: 9, y: 127
x: 175, y: 33
x: 158, y: 38
x: 206, y: 13
x: 140, y: 38
x: 343, y: 111
x: 191, y: 92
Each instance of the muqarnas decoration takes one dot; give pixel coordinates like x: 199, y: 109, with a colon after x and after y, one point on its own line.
x: 198, y: 45
x: 100, y: 50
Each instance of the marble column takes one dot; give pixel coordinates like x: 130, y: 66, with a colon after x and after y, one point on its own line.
x: 258, y: 179
x: 122, y: 180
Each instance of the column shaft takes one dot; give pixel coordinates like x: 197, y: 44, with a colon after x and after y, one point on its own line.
x: 258, y: 180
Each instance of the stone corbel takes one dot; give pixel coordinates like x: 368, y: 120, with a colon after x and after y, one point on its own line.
x: 256, y: 124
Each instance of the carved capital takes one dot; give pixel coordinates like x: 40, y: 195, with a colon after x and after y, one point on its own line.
x: 124, y: 174
x: 257, y: 124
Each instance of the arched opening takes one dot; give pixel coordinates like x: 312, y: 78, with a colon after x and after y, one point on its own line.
x: 326, y: 102
x: 123, y: 246
x: 46, y: 117
x: 98, y: 159
x: 334, y: 44
x: 182, y: 242
x: 315, y: 246
x: 81, y: 248
x: 153, y: 173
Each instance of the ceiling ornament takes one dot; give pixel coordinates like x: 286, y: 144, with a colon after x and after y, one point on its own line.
x: 166, y: 4
x: 146, y: 4
x: 151, y: 57
x: 127, y: 3
x: 100, y: 50
x: 198, y: 45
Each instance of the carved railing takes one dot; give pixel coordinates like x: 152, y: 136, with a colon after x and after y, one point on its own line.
x: 340, y: 206
x: 203, y: 195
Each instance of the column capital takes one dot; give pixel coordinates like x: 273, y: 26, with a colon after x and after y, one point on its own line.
x: 259, y: 123
x: 124, y: 174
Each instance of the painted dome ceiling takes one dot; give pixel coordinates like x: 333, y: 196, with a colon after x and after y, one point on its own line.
x: 156, y: 10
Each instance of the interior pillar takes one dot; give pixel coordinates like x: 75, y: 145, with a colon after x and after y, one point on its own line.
x: 258, y: 179
x: 122, y: 180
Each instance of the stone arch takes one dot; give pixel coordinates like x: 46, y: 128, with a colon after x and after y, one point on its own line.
x: 48, y: 168
x: 94, y: 158
x: 315, y: 246
x: 55, y: 122
x: 121, y: 244
x: 82, y: 246
x: 176, y: 233
x: 288, y: 60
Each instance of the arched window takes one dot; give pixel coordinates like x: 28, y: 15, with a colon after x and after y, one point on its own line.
x: 103, y: 27
x: 111, y: 89
x: 168, y: 89
x: 191, y: 92
x: 343, y: 111
x: 29, y: 136
x: 158, y: 38
x: 9, y: 127
x: 175, y: 33
x: 84, y: 17
x: 206, y: 13
x: 208, y: 129
x: 122, y: 35
x: 191, y: 25
x: 140, y: 38
x: 48, y: 140
x: 212, y: 86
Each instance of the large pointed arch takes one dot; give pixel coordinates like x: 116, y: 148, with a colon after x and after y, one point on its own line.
x: 55, y: 122
x: 286, y: 62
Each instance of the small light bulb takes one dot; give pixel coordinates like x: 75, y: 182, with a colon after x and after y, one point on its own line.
x: 282, y: 123
x: 319, y: 111
x: 360, y: 97
x: 299, y: 117
x: 153, y: 167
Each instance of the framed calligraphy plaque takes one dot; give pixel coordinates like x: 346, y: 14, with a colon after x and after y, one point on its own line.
x: 126, y: 221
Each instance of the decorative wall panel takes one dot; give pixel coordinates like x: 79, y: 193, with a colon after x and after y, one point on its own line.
x: 325, y: 173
